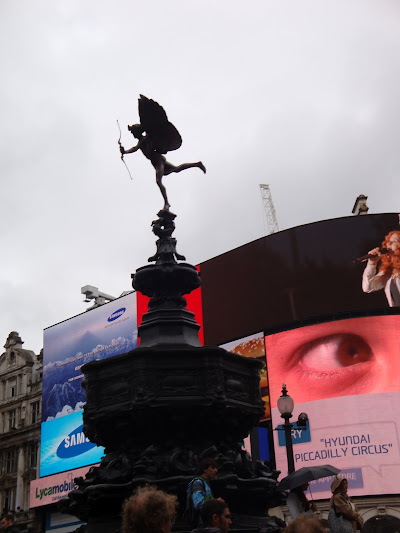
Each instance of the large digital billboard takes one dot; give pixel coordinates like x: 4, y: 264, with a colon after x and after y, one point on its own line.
x: 281, y: 281
x: 96, y: 334
x: 302, y: 272
x: 345, y: 375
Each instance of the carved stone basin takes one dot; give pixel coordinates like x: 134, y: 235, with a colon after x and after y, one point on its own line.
x: 148, y: 397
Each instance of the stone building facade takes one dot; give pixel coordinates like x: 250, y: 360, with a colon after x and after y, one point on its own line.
x: 20, y: 417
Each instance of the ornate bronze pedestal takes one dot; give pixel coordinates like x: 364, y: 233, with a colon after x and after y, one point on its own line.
x: 162, y: 407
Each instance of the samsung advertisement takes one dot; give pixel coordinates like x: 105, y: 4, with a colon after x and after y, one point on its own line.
x: 96, y: 334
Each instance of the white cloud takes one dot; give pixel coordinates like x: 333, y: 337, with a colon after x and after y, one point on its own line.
x: 300, y: 95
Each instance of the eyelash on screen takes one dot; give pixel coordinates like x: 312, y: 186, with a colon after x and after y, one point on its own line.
x: 362, y: 350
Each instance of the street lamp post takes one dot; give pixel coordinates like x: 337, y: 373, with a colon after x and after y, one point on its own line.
x: 285, y: 407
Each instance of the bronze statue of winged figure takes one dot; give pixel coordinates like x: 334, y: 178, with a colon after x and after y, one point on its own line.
x: 157, y: 136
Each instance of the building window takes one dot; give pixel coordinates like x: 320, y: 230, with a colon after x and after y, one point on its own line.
x: 11, y: 419
x: 33, y: 449
x: 35, y: 412
x: 10, y: 455
x: 8, y: 499
x: 12, y: 388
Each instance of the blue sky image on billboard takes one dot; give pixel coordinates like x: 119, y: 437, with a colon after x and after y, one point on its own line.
x: 97, y: 334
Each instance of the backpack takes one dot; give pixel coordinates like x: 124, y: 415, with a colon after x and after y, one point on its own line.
x: 191, y: 515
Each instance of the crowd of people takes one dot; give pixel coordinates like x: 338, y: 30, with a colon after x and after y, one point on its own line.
x: 343, y: 515
x: 151, y: 510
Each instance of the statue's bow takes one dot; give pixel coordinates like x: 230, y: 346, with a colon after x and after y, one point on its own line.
x: 122, y: 155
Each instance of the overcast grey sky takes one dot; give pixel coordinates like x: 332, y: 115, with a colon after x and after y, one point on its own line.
x: 302, y: 95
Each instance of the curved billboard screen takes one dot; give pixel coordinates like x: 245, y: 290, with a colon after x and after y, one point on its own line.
x: 293, y: 275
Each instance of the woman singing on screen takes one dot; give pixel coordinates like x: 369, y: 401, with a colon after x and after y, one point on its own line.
x: 387, y: 277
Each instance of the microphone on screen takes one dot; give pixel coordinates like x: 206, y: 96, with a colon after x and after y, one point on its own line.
x: 363, y: 258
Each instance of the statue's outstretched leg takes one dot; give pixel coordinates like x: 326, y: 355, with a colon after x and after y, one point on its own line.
x: 169, y: 167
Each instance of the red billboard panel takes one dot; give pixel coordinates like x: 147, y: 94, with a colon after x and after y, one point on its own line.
x: 194, y: 304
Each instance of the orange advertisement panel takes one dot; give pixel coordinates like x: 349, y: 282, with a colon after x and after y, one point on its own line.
x: 253, y: 346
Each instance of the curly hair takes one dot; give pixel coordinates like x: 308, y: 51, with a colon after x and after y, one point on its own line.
x: 148, y: 510
x: 305, y: 524
x: 390, y: 263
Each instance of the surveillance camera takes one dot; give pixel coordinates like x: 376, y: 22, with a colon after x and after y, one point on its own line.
x: 302, y: 420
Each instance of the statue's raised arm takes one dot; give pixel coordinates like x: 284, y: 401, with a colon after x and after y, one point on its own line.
x: 157, y: 136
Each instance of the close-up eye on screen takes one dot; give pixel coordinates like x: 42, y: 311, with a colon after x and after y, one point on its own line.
x: 339, y: 358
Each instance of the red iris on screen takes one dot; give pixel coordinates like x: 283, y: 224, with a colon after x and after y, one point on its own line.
x: 334, y: 352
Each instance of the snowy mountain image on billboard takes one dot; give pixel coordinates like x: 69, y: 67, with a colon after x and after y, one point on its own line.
x: 103, y: 332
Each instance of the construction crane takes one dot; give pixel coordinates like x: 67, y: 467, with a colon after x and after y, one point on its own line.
x: 269, y: 209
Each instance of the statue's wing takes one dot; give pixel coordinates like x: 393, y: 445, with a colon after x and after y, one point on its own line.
x: 154, y: 120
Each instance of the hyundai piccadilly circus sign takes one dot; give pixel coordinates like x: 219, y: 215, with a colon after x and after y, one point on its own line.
x: 97, y: 334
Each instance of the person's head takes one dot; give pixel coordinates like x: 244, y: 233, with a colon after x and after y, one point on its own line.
x: 7, y: 521
x: 136, y: 130
x: 392, y: 241
x: 299, y: 491
x: 305, y: 524
x: 391, y: 260
x: 208, y: 468
x: 149, y: 510
x: 215, y: 513
x: 339, y: 484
